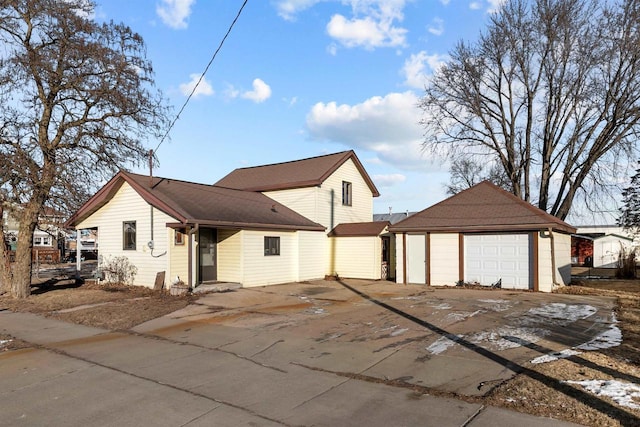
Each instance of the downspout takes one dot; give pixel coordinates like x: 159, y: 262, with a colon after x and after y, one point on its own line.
x: 192, y: 231
x: 553, y: 259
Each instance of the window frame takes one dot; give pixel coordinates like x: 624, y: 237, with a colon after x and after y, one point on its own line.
x: 178, y: 238
x: 271, y: 245
x: 133, y: 245
x: 347, y: 193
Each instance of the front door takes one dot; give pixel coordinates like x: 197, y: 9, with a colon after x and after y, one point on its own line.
x: 207, y: 240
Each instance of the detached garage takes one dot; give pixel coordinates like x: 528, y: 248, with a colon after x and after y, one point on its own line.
x: 487, y: 236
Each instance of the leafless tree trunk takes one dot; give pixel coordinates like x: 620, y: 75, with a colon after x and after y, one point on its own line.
x: 551, y: 91
x: 78, y: 101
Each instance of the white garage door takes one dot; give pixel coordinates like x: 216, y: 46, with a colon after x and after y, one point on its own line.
x: 416, y: 259
x: 492, y: 257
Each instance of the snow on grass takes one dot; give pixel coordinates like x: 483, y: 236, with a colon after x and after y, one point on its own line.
x: 4, y: 343
x: 441, y: 306
x: 623, y: 393
x: 552, y: 357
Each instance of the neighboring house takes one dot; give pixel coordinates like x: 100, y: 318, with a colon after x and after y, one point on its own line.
x: 256, y: 226
x: 48, y: 237
x: 599, y: 246
x: 484, y: 235
x: 393, y: 218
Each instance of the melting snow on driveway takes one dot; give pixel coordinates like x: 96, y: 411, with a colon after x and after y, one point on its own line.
x: 612, y: 337
x: 623, y: 393
x: 552, y: 357
x: 560, y: 313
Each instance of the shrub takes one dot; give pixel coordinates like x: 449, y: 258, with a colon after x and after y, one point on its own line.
x: 626, y: 268
x: 118, y: 270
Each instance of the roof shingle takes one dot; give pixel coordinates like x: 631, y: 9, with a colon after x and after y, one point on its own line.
x: 192, y: 203
x: 359, y: 229
x: 295, y: 174
x: 483, y: 207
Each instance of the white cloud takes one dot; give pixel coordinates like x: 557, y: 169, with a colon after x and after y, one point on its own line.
x: 475, y: 5
x: 231, y: 91
x: 174, y: 13
x: 444, y: 2
x: 388, y: 126
x: 389, y: 180
x: 288, y: 9
x: 260, y: 93
x: 495, y: 5
x: 437, y: 27
x: 372, y: 25
x: 415, y: 68
x: 204, y: 88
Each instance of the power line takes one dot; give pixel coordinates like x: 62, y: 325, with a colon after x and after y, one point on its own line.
x: 201, y: 76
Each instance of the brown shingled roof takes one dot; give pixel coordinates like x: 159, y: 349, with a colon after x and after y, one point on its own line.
x: 295, y: 174
x: 359, y: 229
x: 192, y: 203
x: 483, y: 207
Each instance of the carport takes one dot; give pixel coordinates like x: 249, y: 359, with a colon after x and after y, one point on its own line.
x: 484, y: 235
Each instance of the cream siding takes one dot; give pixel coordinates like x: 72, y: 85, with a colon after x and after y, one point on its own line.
x: 260, y: 269
x: 230, y: 256
x: 562, y: 246
x: 399, y: 255
x: 127, y: 205
x: 444, y: 259
x: 311, y: 255
x: 358, y: 257
x: 178, y: 258
x: 324, y: 204
x: 302, y: 200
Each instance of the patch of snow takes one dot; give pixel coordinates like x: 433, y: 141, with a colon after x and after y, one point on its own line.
x: 507, y: 337
x: 441, y: 345
x: 458, y: 317
x: 552, y: 357
x: 561, y: 313
x: 409, y: 298
x: 612, y: 337
x: 497, y: 304
x: 3, y: 343
x: 317, y: 310
x: 623, y: 393
x: 399, y: 332
x: 442, y: 306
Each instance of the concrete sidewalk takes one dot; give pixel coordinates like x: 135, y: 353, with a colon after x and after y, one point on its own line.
x: 76, y: 375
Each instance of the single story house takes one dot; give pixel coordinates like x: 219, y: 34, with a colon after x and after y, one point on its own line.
x: 599, y: 247
x: 484, y: 235
x: 256, y: 226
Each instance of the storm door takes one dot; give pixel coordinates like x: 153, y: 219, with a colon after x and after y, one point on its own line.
x: 207, y: 255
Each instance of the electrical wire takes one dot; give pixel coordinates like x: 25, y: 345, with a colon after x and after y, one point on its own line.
x: 201, y: 76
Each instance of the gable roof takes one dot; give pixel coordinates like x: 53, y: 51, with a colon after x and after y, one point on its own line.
x: 192, y: 203
x: 359, y: 229
x: 483, y: 207
x: 294, y: 174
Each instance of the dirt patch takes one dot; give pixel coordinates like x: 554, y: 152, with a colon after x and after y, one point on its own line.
x: 571, y: 402
x: 101, y: 305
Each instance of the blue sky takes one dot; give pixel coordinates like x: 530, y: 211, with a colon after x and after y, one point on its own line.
x: 301, y: 78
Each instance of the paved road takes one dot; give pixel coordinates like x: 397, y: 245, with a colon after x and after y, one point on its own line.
x: 269, y: 356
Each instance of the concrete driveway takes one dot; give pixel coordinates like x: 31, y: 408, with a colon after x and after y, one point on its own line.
x: 452, y: 340
x: 321, y: 353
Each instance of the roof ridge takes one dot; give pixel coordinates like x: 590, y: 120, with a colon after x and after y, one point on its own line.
x: 295, y: 161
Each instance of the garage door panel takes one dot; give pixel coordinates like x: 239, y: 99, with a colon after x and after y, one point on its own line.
x: 491, y: 257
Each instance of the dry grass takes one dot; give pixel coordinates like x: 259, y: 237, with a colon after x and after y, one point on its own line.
x: 105, y: 306
x: 553, y: 398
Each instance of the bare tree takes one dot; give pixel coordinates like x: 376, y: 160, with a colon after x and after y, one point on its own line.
x: 551, y: 91
x: 630, y: 212
x: 78, y: 102
x: 467, y: 172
